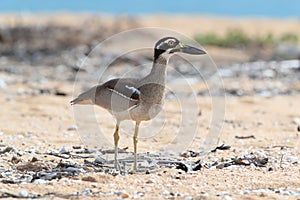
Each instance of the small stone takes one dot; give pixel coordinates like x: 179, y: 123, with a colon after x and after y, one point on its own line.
x: 298, y: 128
x: 34, y: 159
x: 162, y: 149
x: 72, y: 128
x: 40, y: 181
x: 50, y: 176
x: 269, y: 73
x: 2, y: 84
x: 64, y: 150
x: 89, y: 179
x: 125, y: 195
x: 270, y: 169
x: 86, y: 192
x: 285, y: 192
x: 165, y: 192
x: 15, y: 160
x: 138, y: 195
x: 151, y: 181
x: 226, y: 197
x: 220, y: 166
x: 23, y: 193
x: 6, y: 150
x: 100, y: 160
x: 296, y: 120
x: 188, y: 198
x: 74, y: 169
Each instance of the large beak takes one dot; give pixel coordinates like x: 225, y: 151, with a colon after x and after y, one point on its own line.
x: 192, y: 50
x: 188, y: 49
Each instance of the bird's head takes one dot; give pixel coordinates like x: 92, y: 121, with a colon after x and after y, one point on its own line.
x: 170, y: 45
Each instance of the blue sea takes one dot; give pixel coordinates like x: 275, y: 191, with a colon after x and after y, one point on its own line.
x: 235, y: 8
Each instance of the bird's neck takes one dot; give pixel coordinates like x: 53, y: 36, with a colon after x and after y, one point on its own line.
x: 159, y: 70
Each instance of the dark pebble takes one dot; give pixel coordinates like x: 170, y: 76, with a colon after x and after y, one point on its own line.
x: 34, y: 159
x: 181, y: 166
x: 270, y: 169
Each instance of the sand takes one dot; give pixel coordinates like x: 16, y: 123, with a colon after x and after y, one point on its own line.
x: 35, y: 124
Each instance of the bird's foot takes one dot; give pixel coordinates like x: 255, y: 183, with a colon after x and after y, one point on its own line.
x: 117, y: 166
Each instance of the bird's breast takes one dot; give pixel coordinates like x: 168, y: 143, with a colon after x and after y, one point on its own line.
x: 145, y: 111
x: 152, y: 93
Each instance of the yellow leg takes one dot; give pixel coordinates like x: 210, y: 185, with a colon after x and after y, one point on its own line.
x: 135, y: 140
x: 116, y: 140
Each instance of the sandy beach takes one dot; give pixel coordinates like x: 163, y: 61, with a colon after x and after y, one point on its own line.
x: 45, y: 152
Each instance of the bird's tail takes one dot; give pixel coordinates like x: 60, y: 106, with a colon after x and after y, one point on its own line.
x: 85, y: 97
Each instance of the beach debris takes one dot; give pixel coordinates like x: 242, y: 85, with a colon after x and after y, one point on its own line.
x: 64, y: 150
x: 197, y: 166
x: 245, y: 137
x: 221, y: 147
x: 72, y: 128
x: 23, y: 194
x: 182, y: 166
x: 63, y: 166
x: 6, y: 150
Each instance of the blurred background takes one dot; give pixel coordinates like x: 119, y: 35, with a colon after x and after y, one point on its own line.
x: 256, y: 41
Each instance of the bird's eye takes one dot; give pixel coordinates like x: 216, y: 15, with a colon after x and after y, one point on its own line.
x: 171, y: 43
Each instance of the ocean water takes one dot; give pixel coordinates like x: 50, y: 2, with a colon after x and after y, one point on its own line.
x: 235, y: 8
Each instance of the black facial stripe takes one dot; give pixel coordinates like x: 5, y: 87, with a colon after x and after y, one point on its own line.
x: 158, y: 52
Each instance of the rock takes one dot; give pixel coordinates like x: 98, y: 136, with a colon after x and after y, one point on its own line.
x: 138, y: 195
x: 86, y: 192
x: 2, y: 84
x: 15, y: 160
x: 23, y: 194
x: 188, y: 198
x: 287, y: 52
x: 74, y: 169
x: 269, y: 73
x: 220, y: 166
x: 226, y: 197
x: 72, y: 128
x: 125, y: 195
x: 296, y: 120
x: 40, y: 181
x: 100, y: 160
x: 165, y: 192
x: 64, y: 150
x: 151, y: 181
x: 34, y: 159
x: 89, y: 179
x: 6, y: 150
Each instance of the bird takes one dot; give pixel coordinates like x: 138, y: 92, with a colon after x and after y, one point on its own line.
x: 137, y: 99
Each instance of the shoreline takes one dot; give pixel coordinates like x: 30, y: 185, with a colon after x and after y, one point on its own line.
x: 184, y: 23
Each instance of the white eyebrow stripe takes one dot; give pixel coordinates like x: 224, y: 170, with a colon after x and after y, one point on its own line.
x: 122, y: 95
x: 133, y: 89
x: 160, y: 45
x: 166, y: 42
